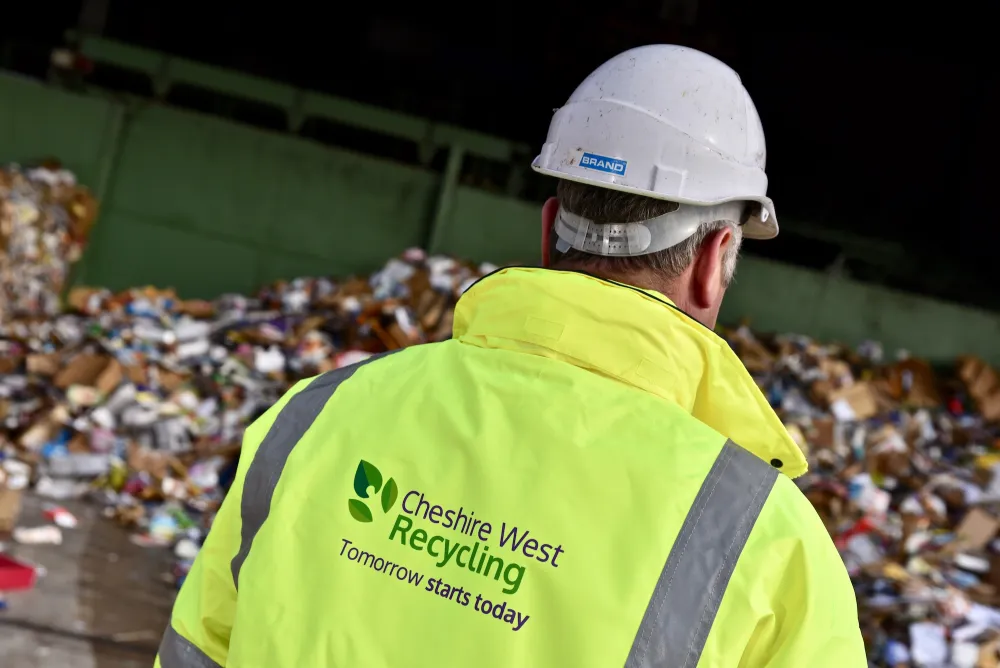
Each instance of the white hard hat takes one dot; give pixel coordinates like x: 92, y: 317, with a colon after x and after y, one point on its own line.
x: 670, y: 123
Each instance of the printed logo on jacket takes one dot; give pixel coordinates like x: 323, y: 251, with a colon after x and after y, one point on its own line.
x: 449, y: 539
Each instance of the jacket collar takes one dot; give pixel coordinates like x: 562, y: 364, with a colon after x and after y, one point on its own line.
x: 634, y: 336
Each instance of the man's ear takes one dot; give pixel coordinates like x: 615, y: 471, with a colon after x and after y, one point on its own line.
x: 706, y: 275
x: 549, y: 211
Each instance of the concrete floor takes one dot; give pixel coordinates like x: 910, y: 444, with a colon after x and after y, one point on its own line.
x: 103, y: 602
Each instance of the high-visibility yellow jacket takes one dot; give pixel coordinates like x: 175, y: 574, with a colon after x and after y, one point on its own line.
x: 583, y: 476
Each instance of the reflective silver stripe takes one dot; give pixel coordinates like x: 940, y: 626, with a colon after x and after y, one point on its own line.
x: 690, y: 589
x: 176, y: 651
x: 291, y: 425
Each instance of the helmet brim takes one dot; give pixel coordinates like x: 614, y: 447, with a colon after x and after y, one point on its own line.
x: 763, y: 225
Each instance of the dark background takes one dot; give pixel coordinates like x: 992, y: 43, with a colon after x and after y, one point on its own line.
x: 880, y: 120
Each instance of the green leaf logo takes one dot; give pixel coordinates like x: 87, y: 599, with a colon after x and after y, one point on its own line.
x: 389, y: 495
x: 366, y: 476
x: 359, y: 511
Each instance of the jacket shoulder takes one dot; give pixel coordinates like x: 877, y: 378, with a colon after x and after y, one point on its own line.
x: 788, y: 514
x: 790, y: 530
x: 794, y: 589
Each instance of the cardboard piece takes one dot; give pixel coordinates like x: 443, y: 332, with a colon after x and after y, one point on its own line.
x: 196, y: 308
x: 171, y: 380
x: 156, y: 463
x: 136, y: 374
x: 10, y: 508
x: 857, y: 402
x: 78, y: 444
x: 980, y: 379
x: 975, y: 531
x: 102, y: 372
x: 10, y: 364
x: 913, y: 381
x: 84, y: 369
x: 821, y: 391
x: 989, y: 407
x: 837, y: 371
x: 429, y: 307
x: 823, y: 433
x: 444, y: 328
x: 983, y: 385
x: 989, y: 654
x: 44, y: 365
x: 80, y: 298
x: 44, y: 428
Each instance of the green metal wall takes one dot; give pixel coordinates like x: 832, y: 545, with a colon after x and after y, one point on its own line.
x: 486, y: 227
x: 782, y: 298
x: 37, y: 121
x: 209, y: 206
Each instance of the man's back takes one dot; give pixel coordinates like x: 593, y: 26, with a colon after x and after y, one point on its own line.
x: 547, y: 489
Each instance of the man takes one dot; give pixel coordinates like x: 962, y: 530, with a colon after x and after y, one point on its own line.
x: 585, y: 475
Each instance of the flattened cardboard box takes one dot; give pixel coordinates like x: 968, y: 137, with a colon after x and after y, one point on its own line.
x: 10, y: 508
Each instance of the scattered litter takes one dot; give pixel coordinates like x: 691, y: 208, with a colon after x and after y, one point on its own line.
x: 135, y: 636
x: 186, y: 550
x: 43, y: 535
x: 60, y: 516
x: 16, y: 575
x: 928, y: 644
x: 60, y: 489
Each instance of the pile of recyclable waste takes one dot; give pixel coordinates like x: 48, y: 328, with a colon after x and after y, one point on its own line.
x: 904, y: 470
x: 140, y: 399
x: 45, y: 219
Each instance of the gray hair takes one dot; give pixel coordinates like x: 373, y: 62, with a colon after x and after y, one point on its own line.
x: 601, y: 206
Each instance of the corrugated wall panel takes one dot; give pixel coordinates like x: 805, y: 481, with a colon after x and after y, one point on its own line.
x: 492, y: 228
x: 778, y: 297
x: 267, y: 206
x: 37, y: 122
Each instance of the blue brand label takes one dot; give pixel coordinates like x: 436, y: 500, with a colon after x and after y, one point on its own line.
x: 603, y: 163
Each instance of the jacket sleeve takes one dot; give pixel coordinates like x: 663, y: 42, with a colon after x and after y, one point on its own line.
x: 814, y: 614
x: 203, y: 614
